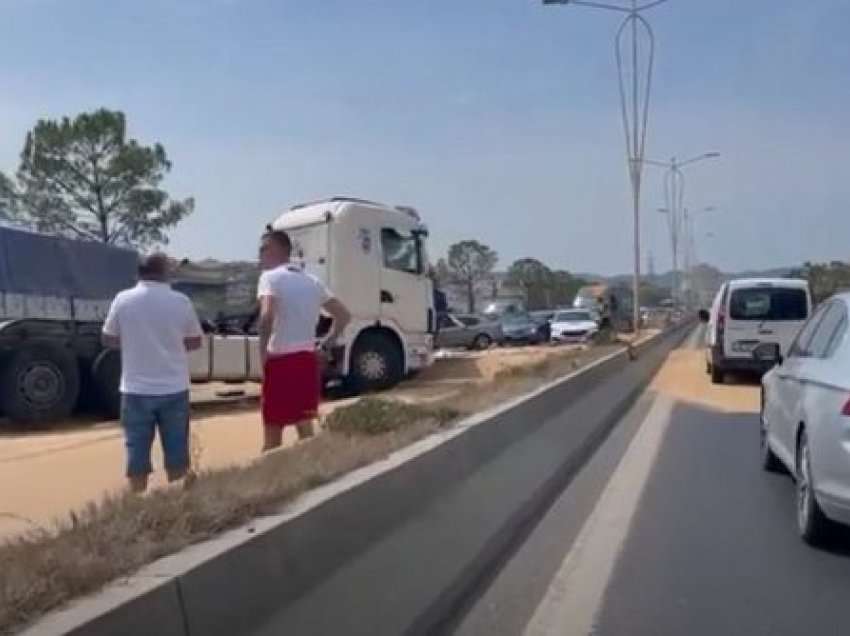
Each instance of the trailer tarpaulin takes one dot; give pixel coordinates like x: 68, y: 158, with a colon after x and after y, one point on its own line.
x: 38, y: 265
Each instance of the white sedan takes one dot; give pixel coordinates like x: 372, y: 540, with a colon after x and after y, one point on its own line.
x: 573, y: 325
x: 805, y: 418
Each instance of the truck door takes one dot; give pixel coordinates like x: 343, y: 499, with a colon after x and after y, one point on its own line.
x: 405, y: 293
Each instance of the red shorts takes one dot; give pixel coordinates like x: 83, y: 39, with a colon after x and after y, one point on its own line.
x: 291, y: 388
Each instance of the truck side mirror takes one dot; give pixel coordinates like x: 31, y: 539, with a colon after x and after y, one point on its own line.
x: 704, y: 316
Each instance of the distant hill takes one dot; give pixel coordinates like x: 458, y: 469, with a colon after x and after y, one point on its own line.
x: 665, y: 279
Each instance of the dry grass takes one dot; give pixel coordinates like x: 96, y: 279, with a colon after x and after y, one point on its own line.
x: 117, y: 536
x: 374, y: 416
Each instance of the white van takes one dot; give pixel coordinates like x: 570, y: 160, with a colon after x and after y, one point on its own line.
x: 748, y: 312
x: 373, y: 258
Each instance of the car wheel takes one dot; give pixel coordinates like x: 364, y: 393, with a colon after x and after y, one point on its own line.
x: 41, y: 383
x: 376, y: 363
x: 482, y: 341
x: 717, y: 375
x: 812, y: 524
x: 769, y: 461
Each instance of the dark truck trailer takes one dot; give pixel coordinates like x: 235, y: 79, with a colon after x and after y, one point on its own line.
x: 54, y: 295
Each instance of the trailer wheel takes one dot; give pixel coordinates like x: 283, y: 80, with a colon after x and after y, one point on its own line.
x: 377, y: 362
x: 106, y: 374
x: 40, y: 383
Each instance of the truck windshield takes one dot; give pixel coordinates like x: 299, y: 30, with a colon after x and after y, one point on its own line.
x: 768, y: 304
x: 401, y: 253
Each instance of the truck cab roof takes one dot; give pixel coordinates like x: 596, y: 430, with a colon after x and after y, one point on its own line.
x: 326, y: 210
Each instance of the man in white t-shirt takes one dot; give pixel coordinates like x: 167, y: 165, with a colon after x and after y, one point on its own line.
x: 290, y: 305
x: 155, y: 327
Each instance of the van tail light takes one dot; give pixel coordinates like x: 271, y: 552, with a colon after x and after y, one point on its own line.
x: 846, y: 410
x: 721, y: 324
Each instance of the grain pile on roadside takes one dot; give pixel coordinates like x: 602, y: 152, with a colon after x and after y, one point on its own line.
x: 117, y: 536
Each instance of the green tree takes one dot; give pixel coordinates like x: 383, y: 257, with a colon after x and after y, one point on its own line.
x: 564, y: 287
x: 469, y: 264
x: 441, y: 274
x: 653, y: 295
x: 83, y: 178
x: 825, y: 279
x: 8, y: 201
x: 534, y: 279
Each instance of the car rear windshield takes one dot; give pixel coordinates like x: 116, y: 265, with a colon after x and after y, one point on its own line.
x: 573, y: 316
x: 775, y: 303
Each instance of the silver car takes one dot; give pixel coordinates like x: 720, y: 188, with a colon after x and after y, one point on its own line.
x: 805, y: 417
x: 468, y: 332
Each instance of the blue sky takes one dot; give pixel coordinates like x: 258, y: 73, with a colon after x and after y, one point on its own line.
x: 498, y: 119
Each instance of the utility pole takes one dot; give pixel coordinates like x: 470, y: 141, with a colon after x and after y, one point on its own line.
x: 634, y: 102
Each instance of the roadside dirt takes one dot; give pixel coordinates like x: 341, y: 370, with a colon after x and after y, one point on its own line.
x: 78, y: 461
x: 683, y: 377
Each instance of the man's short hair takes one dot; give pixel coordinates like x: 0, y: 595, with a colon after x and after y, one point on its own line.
x: 278, y: 236
x: 154, y: 266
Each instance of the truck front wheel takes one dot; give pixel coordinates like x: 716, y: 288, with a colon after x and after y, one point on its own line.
x: 40, y: 383
x: 377, y: 363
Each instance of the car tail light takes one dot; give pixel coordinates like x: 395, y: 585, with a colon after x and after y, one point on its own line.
x: 846, y: 410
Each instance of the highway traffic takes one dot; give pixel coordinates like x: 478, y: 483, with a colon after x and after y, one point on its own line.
x: 673, y: 528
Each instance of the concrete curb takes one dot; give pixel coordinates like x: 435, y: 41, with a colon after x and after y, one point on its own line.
x: 400, y: 546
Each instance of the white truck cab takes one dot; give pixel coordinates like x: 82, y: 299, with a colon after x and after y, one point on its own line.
x: 373, y: 258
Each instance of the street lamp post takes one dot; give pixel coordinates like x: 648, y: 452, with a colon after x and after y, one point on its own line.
x: 674, y: 245
x: 690, y: 222
x: 674, y: 195
x: 634, y: 103
x: 693, y: 259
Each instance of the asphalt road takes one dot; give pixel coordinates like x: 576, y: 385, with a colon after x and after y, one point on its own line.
x: 713, y: 548
x: 672, y: 529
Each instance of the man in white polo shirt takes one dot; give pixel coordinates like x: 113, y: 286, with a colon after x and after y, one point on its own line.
x: 154, y: 326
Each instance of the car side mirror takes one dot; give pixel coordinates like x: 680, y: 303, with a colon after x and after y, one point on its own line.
x: 704, y: 316
x: 767, y: 353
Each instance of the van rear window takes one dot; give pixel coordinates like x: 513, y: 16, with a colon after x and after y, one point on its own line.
x: 768, y: 304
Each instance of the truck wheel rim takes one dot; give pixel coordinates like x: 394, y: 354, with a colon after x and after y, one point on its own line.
x: 373, y: 365
x: 41, y: 384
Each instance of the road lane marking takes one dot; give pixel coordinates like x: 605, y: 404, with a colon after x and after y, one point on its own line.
x: 574, y: 598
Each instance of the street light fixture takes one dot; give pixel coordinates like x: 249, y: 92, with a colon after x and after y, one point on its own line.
x: 691, y: 233
x: 674, y: 194
x: 634, y: 103
x: 691, y: 259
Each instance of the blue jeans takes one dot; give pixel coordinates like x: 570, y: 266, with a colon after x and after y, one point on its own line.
x: 141, y: 416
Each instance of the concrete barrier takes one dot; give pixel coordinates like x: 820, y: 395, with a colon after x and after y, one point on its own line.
x: 398, y: 547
